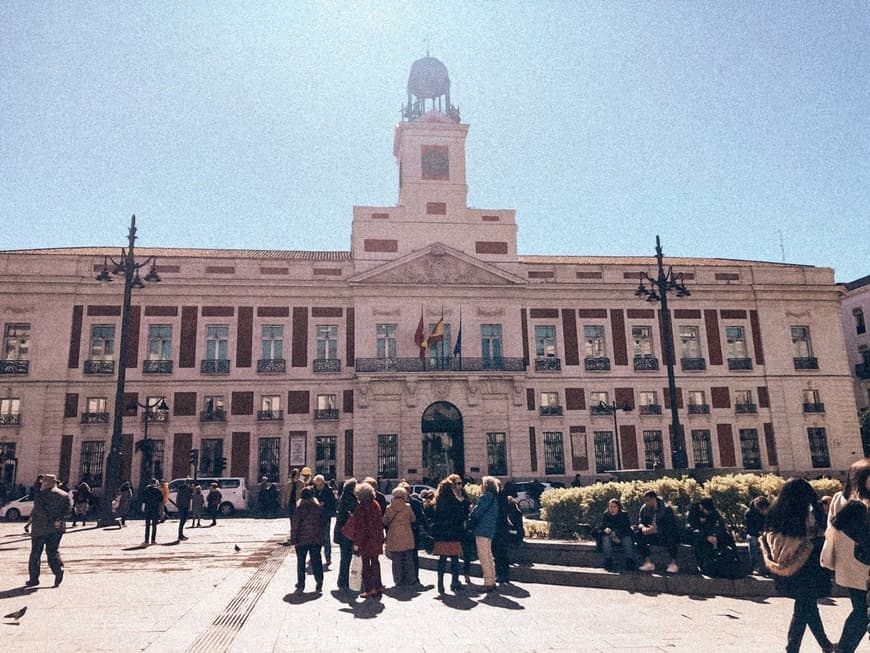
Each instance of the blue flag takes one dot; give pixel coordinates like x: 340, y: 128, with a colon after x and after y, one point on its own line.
x: 457, y: 348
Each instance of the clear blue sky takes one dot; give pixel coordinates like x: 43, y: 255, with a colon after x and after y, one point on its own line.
x: 733, y: 129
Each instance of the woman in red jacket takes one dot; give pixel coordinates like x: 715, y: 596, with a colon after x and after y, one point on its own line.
x: 366, y: 530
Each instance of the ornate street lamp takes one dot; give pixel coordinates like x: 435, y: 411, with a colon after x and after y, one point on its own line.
x: 145, y: 445
x: 126, y: 266
x: 656, y: 290
x: 611, y: 409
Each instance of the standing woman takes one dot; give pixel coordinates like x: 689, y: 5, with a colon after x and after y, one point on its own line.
x: 791, y: 546
x: 447, y: 530
x: 196, y: 504
x: 307, y: 537
x: 346, y: 505
x: 847, y: 515
x: 213, y: 502
x: 484, y: 517
x: 399, y: 520
x: 366, y: 530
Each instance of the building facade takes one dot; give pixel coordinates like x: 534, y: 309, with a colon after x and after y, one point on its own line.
x: 431, y: 346
x: 856, y: 311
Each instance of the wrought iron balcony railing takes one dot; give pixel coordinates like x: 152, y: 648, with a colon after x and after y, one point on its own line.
x: 745, y: 408
x: 271, y: 366
x: 651, y: 409
x: 599, y: 364
x: 814, y: 407
x: 549, y: 364
x: 600, y: 410
x: 698, y: 409
x: 646, y: 363
x: 214, y: 366
x: 551, y: 410
x: 10, y: 419
x: 216, y: 415
x: 104, y: 367
x: 156, y: 416
x: 693, y: 364
x: 326, y: 413
x: 327, y: 365
x: 157, y: 367
x: 452, y: 364
x: 9, y: 366
x: 270, y: 415
x: 95, y: 418
x: 806, y: 363
x: 736, y: 364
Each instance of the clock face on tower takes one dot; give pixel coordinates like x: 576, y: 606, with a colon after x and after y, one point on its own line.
x: 435, y: 163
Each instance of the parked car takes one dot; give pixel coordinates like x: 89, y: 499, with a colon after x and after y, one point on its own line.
x: 413, y: 489
x: 524, y: 500
x: 15, y: 510
x: 234, y: 493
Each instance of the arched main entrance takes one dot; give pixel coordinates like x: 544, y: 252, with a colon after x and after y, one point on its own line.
x: 443, y: 450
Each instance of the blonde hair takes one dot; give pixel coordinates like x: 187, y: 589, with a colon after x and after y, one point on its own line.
x: 490, y: 484
x: 400, y: 493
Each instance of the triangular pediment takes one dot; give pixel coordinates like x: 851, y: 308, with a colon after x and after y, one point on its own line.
x: 439, y: 265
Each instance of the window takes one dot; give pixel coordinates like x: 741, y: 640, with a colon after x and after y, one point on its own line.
x: 217, y: 343
x: 7, y: 463
x: 10, y: 412
x: 91, y: 462
x: 647, y: 398
x: 158, y: 457
x: 496, y: 454
x: 604, y: 452
x: 211, y: 450
x: 554, y: 453
x: 324, y: 455
x: 702, y: 448
x: 653, y: 450
x: 490, y: 342
x: 270, y: 407
x: 690, y: 343
x: 750, y: 449
x: 857, y: 313
x: 388, y: 455
x: 593, y: 342
x: 159, y: 342
x: 273, y: 342
x: 16, y: 342
x: 743, y: 401
x: 598, y: 397
x: 102, y: 342
x: 97, y: 405
x: 819, y: 453
x: 268, y: 458
x: 697, y: 403
x: 325, y: 402
x: 813, y: 401
x: 736, y: 341
x: 327, y: 342
x: 800, y: 342
x: 545, y: 341
x: 386, y: 340
x: 213, y: 408
x: 550, y: 403
x: 641, y: 337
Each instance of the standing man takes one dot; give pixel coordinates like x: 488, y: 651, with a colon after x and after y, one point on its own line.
x: 326, y: 497
x: 182, y: 501
x: 47, y: 527
x: 152, y: 500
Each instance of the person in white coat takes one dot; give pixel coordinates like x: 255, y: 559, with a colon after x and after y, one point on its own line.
x: 838, y: 553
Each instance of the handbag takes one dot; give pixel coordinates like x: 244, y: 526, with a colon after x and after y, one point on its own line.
x: 355, y: 574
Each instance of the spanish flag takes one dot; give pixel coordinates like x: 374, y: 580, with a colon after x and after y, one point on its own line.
x: 437, y: 334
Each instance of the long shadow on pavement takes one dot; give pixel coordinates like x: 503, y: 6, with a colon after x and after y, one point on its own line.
x: 17, y: 591
x: 498, y: 601
x: 368, y: 609
x: 296, y: 598
x: 457, y: 601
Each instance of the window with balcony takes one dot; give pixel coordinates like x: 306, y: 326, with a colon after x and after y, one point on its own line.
x: 211, y: 450
x: 496, y: 454
x: 10, y: 412
x: 697, y: 403
x: 91, y: 462
x: 691, y: 357
x: 599, y: 403
x: 386, y: 340
x: 819, y: 453
x: 324, y: 455
x: 272, y: 350
x: 648, y: 402
x: 97, y: 411
x: 159, y: 359
x: 213, y: 409
x: 594, y: 348
x: 216, y: 350
x: 642, y: 348
x: 702, y: 448
x: 550, y: 403
x: 326, y: 407
x: 653, y: 450
x: 545, y: 341
x: 102, y: 354
x: 327, y: 349
x: 16, y: 349
x: 813, y: 401
x: 750, y: 448
x: 554, y: 453
x: 802, y: 349
x: 388, y: 455
x: 743, y: 402
x: 857, y: 315
x: 605, y: 455
x: 269, y: 458
x: 270, y: 408
x: 735, y: 339
x: 491, y: 346
x: 158, y: 411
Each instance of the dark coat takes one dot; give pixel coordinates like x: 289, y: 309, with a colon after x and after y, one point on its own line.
x: 346, y: 505
x: 366, y: 530
x: 326, y: 498
x: 449, y: 518
x: 754, y: 521
x: 665, y: 521
x: 509, y: 527
x: 618, y: 523
x: 49, y: 508
x: 152, y: 497
x: 183, y: 498
x: 307, y: 524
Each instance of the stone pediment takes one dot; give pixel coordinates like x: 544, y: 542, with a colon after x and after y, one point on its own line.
x: 439, y: 265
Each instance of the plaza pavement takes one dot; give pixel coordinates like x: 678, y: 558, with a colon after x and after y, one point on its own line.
x: 202, y: 595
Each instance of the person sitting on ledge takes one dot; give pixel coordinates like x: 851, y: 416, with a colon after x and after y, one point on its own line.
x: 616, y: 529
x: 657, y: 526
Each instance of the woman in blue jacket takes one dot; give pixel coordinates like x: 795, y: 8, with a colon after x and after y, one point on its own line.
x: 484, y: 517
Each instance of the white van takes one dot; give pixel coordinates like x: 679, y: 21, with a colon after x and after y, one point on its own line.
x: 234, y: 493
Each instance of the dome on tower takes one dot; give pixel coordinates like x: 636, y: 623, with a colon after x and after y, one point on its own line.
x: 428, y: 78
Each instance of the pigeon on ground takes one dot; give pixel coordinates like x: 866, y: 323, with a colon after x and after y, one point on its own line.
x: 17, y: 614
x: 237, y: 548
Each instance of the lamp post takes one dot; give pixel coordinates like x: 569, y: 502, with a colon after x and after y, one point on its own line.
x: 658, y: 290
x: 611, y: 409
x: 127, y: 266
x: 145, y: 445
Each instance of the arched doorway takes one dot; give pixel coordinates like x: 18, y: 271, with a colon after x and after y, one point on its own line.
x: 443, y: 450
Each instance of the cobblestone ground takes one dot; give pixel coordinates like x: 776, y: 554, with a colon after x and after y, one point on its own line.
x: 203, y: 595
